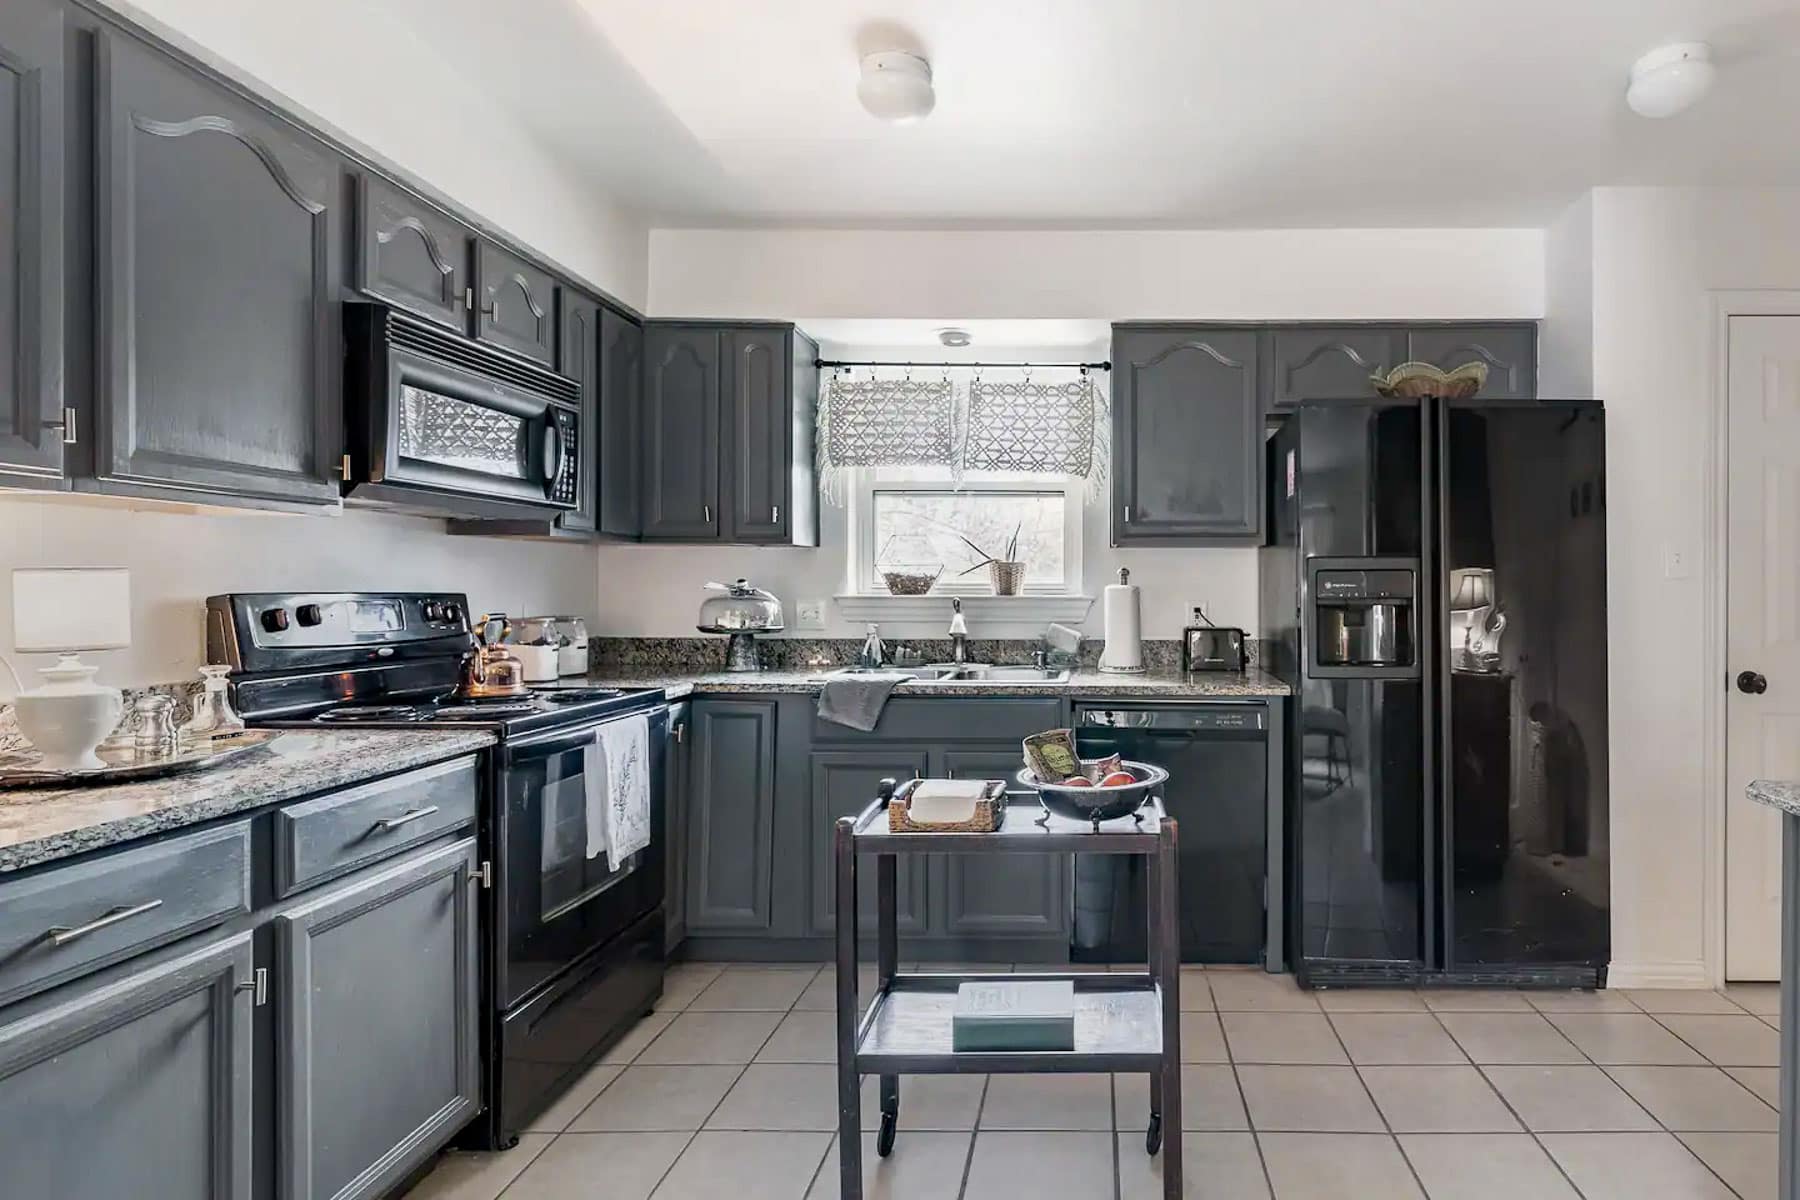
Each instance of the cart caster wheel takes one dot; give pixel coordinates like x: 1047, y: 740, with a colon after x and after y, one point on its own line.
x: 884, y: 1140
x: 1153, y: 1136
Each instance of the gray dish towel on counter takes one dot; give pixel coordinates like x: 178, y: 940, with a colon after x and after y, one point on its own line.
x: 857, y: 702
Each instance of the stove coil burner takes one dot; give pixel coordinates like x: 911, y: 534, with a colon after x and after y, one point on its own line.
x: 475, y: 710
x: 352, y: 713
x: 578, y: 695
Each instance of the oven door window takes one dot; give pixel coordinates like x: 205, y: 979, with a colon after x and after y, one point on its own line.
x: 447, y: 432
x: 560, y: 903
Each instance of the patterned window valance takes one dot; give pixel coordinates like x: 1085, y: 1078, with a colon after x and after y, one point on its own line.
x: 1020, y: 425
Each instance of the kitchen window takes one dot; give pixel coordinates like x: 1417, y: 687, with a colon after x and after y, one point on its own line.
x: 915, y: 521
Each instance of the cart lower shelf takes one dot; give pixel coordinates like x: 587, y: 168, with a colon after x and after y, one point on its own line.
x: 907, y: 1030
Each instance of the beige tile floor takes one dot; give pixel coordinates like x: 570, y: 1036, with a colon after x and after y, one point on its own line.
x: 727, y: 1092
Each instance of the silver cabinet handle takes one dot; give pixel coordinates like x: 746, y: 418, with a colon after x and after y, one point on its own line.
x: 62, y: 935
x: 1128, y: 514
x: 66, y: 425
x: 775, y: 514
x: 387, y: 824
x: 680, y: 734
x: 706, y: 513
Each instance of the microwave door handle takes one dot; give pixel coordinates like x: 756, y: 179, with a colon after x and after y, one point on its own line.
x: 553, y: 452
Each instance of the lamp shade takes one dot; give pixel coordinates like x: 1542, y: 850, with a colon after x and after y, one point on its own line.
x: 60, y: 610
x: 1471, y: 588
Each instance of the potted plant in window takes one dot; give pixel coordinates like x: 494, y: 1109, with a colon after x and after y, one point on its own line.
x: 1005, y: 570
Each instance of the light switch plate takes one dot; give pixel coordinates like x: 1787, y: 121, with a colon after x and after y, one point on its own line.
x: 810, y: 615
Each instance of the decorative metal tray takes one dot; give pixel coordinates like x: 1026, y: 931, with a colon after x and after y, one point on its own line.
x: 20, y: 769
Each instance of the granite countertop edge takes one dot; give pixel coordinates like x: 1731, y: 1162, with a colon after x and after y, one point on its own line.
x: 1085, y: 684
x: 1783, y: 794
x: 40, y: 825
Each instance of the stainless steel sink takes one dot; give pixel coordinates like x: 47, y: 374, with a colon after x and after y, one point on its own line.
x: 963, y: 674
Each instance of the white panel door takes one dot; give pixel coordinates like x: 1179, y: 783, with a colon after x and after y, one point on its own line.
x: 1762, y: 729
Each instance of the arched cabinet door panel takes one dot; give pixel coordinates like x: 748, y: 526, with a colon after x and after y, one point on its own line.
x: 219, y: 265
x: 517, y: 308
x: 31, y: 266
x: 681, y: 432
x: 411, y: 254
x: 1330, y: 363
x: 1510, y: 352
x: 1187, y: 436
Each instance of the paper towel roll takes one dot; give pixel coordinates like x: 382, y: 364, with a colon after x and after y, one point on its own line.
x: 1123, y: 617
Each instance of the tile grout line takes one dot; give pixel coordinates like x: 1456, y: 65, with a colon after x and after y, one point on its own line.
x: 1380, y: 1114
x: 962, y: 1186
x: 1237, y: 1080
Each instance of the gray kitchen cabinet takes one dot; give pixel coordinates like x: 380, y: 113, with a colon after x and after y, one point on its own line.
x: 218, y: 266
x: 1508, y: 348
x: 728, y: 412
x: 620, y: 428
x: 1312, y: 362
x: 731, y: 818
x: 1187, y: 436
x: 1001, y: 895
x: 578, y: 357
x: 136, y: 1084
x: 31, y: 242
x: 681, y: 432
x: 516, y: 305
x: 844, y: 782
x: 411, y: 254
x: 377, y: 1024
x: 675, y: 817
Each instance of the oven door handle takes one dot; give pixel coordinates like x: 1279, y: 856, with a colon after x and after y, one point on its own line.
x: 561, y: 742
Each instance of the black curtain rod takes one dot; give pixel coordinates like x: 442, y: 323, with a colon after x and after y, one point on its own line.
x: 826, y: 364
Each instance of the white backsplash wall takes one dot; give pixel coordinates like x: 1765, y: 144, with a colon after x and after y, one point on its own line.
x: 177, y: 559
x: 655, y: 590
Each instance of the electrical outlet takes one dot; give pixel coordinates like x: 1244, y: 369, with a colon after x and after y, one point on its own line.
x: 1675, y: 562
x: 810, y: 615
x: 1200, y: 612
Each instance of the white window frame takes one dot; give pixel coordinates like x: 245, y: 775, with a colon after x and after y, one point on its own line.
x: 863, y: 577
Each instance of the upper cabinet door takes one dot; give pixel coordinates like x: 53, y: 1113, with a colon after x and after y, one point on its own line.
x: 1187, y: 436
x: 31, y: 239
x: 759, y: 421
x: 578, y: 357
x: 218, y: 267
x: 518, y: 305
x: 681, y: 433
x: 1330, y: 364
x: 621, y: 424
x: 410, y: 254
x: 1510, y: 352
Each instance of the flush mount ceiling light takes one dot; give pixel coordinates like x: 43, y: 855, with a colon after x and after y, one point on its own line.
x: 954, y: 337
x: 896, y: 86
x: 1670, y: 78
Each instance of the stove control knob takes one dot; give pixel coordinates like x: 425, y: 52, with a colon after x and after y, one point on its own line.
x: 433, y: 610
x: 275, y: 619
x: 452, y: 613
x: 309, y: 614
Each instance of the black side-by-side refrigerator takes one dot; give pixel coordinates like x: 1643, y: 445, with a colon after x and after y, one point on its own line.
x: 1434, y: 590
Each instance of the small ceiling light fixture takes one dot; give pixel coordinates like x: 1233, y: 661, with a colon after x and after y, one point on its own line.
x: 1670, y: 78
x: 896, y: 86
x: 954, y: 338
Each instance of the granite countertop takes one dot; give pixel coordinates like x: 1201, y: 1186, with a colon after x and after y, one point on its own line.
x: 38, y: 825
x: 1086, y: 683
x: 1777, y: 793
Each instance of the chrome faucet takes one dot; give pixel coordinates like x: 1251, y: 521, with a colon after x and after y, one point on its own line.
x: 959, y: 633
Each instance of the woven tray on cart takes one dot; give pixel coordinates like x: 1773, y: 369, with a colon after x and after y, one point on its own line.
x: 990, y: 811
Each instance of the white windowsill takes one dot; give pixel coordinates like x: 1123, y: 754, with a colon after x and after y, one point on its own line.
x: 1011, y: 611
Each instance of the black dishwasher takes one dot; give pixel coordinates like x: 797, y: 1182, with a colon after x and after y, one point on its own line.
x: 1216, y: 753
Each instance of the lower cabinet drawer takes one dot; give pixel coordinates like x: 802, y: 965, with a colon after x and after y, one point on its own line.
x: 333, y: 835
x: 64, y: 922
x: 951, y: 718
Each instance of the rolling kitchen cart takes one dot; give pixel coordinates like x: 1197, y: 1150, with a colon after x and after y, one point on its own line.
x: 1124, y: 1023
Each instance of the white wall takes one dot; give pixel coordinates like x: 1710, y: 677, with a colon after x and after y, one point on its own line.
x: 1110, y: 275
x: 1566, y: 337
x: 1657, y: 252
x: 362, y: 71
x: 177, y: 559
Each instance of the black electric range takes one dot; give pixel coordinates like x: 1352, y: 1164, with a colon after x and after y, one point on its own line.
x: 573, y: 946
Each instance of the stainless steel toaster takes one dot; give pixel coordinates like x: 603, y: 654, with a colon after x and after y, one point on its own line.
x: 1212, y: 648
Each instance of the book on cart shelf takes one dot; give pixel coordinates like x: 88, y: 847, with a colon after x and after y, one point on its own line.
x: 1029, y: 1015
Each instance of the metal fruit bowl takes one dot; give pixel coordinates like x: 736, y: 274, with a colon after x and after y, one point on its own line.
x: 1097, y: 804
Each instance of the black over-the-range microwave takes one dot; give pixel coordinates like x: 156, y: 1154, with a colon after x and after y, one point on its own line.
x: 444, y: 424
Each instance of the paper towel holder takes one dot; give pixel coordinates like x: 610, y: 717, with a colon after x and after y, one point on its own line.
x: 1123, y: 619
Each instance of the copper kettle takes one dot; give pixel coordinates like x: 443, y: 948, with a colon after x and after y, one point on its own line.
x: 490, y: 669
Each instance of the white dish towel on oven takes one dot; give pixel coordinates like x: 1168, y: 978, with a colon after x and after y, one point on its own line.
x: 617, y: 777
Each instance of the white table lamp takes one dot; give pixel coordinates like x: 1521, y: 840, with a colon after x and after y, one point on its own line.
x: 64, y: 611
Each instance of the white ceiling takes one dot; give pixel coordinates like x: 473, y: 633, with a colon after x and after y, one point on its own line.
x: 1128, y: 112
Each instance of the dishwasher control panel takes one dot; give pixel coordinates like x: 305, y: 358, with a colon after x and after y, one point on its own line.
x: 1251, y: 717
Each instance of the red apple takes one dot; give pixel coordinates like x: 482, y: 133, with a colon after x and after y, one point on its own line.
x: 1118, y: 779
x: 1078, y: 781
